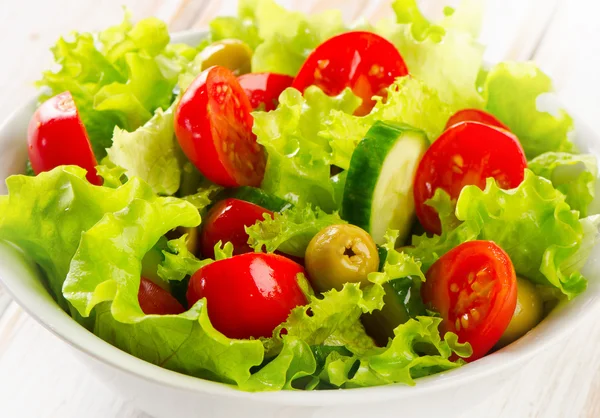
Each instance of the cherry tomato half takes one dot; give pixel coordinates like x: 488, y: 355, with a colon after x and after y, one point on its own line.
x: 154, y: 300
x: 466, y: 154
x: 263, y: 89
x: 56, y: 136
x: 248, y: 295
x: 363, y: 61
x: 214, y: 128
x: 226, y: 222
x: 475, y: 115
x: 474, y: 288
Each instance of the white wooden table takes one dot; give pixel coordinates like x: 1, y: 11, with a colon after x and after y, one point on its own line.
x: 39, y: 376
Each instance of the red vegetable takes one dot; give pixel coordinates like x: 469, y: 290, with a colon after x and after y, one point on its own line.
x: 248, y: 295
x: 214, y: 128
x: 56, y: 136
x: 474, y: 288
x: 475, y: 115
x: 263, y: 89
x: 363, y: 61
x: 466, y: 154
x: 226, y: 222
x: 154, y: 300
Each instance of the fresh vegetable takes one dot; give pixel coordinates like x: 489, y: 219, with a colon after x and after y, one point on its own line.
x: 363, y: 61
x: 263, y: 89
x: 528, y: 312
x: 474, y: 288
x: 232, y: 54
x: 474, y: 115
x: 117, y: 77
x: 573, y: 175
x: 56, y: 136
x: 340, y: 254
x: 257, y: 196
x: 214, y: 128
x: 156, y: 301
x: 194, y: 153
x: 226, y: 222
x: 378, y: 190
x: 290, y: 232
x: 466, y: 154
x: 534, y: 216
x: 518, y: 94
x: 265, y: 291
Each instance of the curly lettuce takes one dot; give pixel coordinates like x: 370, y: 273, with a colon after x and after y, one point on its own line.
x: 290, y: 231
x: 532, y: 223
x: 574, y: 175
x: 120, y: 79
x: 519, y: 94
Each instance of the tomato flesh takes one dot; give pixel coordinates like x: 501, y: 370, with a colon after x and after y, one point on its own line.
x: 154, y: 300
x: 263, y: 89
x: 213, y: 125
x: 474, y: 288
x: 363, y: 61
x: 56, y: 136
x: 226, y: 222
x: 466, y: 154
x: 248, y: 295
x: 475, y: 115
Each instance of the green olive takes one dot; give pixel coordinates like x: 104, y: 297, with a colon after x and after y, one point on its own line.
x: 340, y: 254
x: 230, y: 53
x: 528, y: 313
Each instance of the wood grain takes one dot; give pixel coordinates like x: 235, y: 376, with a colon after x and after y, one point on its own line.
x: 35, y: 365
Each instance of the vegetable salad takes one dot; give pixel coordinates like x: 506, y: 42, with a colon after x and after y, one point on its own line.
x: 296, y: 203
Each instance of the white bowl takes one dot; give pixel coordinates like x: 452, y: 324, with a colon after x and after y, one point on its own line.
x: 163, y: 393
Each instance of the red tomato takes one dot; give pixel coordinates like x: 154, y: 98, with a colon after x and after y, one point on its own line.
x: 214, y: 128
x: 475, y: 115
x: 56, y: 136
x: 155, y: 300
x: 474, y: 288
x: 363, y: 61
x: 248, y: 295
x: 263, y: 89
x: 466, y: 154
x: 226, y: 221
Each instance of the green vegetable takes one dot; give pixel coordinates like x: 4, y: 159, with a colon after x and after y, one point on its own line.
x: 257, y: 196
x: 573, y: 175
x: 378, y: 193
x: 45, y: 216
x: 120, y: 80
x: 431, y: 50
x: 544, y: 238
x: 299, y: 157
x: 513, y: 93
x: 151, y: 153
x: 290, y: 231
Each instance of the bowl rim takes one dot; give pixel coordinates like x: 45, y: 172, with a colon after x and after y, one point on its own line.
x: 556, y: 326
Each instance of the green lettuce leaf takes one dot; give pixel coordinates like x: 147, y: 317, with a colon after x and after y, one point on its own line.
x: 45, y: 216
x: 151, y: 153
x: 532, y: 223
x: 119, y: 80
x: 299, y: 159
x: 430, y: 49
x: 291, y: 230
x: 573, y: 175
x: 513, y: 93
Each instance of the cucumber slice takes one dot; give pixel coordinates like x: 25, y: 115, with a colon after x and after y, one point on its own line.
x: 257, y: 196
x: 379, y: 188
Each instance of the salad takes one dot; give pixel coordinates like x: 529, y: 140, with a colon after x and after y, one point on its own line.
x: 296, y: 203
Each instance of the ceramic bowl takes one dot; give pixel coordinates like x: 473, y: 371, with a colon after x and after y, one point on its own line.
x: 163, y: 393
